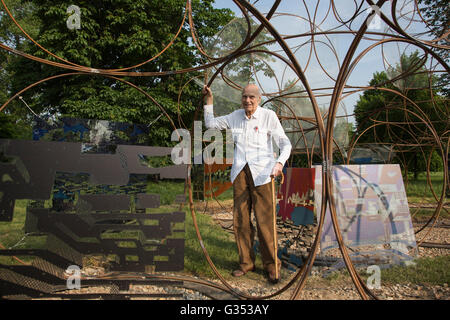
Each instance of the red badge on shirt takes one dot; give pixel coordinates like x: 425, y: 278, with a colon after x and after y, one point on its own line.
x: 256, y: 129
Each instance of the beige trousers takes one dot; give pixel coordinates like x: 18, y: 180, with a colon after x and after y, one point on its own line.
x: 247, y: 197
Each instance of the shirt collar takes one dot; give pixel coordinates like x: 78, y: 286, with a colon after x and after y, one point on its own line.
x: 255, y: 115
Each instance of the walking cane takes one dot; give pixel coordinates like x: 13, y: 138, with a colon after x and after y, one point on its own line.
x: 274, y: 213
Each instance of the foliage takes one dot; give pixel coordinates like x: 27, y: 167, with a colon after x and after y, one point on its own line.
x: 14, y: 122
x: 242, y: 69
x: 24, y: 13
x: 437, y: 14
x: 113, y: 35
x: 405, y: 127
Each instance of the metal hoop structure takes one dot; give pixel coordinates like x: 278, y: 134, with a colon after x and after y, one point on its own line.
x: 313, y: 130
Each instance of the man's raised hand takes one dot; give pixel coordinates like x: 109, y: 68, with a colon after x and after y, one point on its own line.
x: 208, y: 96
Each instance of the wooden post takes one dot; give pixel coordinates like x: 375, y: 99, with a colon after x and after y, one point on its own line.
x: 275, y: 240
x: 274, y: 212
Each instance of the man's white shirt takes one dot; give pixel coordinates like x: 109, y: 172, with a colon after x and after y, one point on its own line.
x: 252, y: 140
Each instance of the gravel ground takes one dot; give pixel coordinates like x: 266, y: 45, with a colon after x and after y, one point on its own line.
x: 436, y: 235
x: 315, y: 289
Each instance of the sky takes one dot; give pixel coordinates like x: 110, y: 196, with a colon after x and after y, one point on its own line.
x: 295, y: 22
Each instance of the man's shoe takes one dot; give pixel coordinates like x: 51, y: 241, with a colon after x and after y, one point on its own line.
x: 240, y: 273
x: 272, y: 278
x: 271, y: 275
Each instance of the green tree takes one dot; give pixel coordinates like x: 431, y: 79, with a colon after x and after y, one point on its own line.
x: 437, y: 14
x: 241, y: 70
x: 13, y: 120
x: 117, y: 34
x: 404, y: 129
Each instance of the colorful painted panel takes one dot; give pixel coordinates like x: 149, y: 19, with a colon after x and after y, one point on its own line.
x: 217, y: 179
x: 371, y: 206
x: 97, y: 134
x: 211, y: 180
x: 295, y: 198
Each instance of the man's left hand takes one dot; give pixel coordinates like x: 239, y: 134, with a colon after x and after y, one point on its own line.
x: 277, y: 170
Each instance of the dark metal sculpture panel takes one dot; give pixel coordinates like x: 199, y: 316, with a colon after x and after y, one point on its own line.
x: 87, y: 201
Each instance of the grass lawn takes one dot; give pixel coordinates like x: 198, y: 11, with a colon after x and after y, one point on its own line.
x: 426, y: 271
x: 418, y: 190
x: 220, y: 245
x: 429, y: 271
x: 12, y: 234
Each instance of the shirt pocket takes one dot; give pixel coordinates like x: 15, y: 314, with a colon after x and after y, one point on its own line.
x: 261, y: 137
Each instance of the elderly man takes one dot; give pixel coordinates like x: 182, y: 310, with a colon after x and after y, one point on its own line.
x: 253, y: 129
